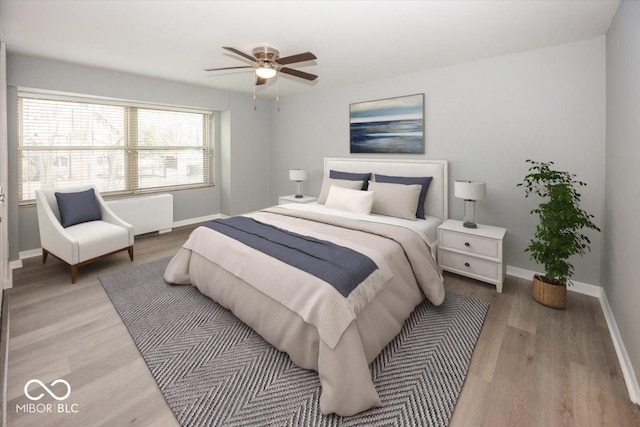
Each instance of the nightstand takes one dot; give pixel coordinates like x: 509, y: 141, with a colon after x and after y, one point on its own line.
x: 472, y: 252
x: 292, y: 199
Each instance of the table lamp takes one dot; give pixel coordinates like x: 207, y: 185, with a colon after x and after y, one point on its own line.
x: 470, y: 191
x: 298, y: 175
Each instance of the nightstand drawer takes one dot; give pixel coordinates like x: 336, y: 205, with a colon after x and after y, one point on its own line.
x: 469, y: 243
x: 480, y: 268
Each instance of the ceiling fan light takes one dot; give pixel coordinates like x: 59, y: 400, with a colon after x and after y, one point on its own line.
x: 265, y: 73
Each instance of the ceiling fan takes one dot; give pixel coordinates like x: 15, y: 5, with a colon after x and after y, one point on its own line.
x: 267, y: 63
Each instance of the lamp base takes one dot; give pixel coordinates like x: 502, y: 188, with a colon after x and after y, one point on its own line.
x: 469, y: 214
x: 298, y: 190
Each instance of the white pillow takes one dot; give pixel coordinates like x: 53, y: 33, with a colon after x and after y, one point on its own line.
x: 399, y: 200
x: 349, y: 200
x: 345, y: 183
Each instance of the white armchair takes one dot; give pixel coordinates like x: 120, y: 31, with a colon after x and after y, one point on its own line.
x: 82, y: 243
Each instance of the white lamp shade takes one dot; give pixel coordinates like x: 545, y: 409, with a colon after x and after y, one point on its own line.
x: 265, y: 72
x: 470, y: 190
x: 298, y: 175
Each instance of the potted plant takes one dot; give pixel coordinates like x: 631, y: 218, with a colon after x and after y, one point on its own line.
x: 558, y: 234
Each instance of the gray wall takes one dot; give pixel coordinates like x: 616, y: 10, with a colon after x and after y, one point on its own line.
x: 486, y: 118
x: 247, y: 143
x: 246, y: 125
x: 622, y: 201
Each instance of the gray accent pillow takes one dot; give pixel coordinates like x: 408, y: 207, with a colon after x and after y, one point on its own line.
x: 351, y: 176
x: 424, y: 181
x: 77, y: 207
x: 397, y: 200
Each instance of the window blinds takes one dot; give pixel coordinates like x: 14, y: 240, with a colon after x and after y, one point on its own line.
x: 118, y: 148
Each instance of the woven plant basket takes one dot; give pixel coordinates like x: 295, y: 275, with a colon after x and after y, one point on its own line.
x: 554, y: 296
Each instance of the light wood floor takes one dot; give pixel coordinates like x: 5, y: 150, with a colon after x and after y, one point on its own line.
x: 532, y: 366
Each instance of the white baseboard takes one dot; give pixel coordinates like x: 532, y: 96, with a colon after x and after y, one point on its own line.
x: 8, y: 283
x: 31, y: 253
x: 197, y: 220
x: 579, y: 287
x: 628, y: 373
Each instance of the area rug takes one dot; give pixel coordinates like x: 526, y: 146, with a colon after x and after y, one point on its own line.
x: 215, y: 371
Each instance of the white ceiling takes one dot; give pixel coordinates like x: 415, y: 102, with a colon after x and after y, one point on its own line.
x: 354, y: 41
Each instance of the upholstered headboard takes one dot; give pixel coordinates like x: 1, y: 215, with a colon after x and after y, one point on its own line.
x: 436, y: 203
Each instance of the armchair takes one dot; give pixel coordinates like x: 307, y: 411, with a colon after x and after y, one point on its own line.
x: 84, y: 242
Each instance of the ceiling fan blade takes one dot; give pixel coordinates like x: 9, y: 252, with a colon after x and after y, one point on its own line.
x: 298, y: 73
x: 240, y: 53
x: 260, y: 81
x: 306, y: 56
x: 228, y: 68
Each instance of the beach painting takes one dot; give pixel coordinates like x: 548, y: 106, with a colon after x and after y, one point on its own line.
x: 393, y: 125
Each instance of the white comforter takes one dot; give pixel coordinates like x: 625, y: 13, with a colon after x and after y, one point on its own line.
x: 265, y: 294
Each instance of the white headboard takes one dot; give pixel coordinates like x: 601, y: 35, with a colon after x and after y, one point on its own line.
x: 437, y: 197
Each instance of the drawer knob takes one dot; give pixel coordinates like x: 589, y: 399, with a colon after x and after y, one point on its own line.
x: 467, y: 244
x: 466, y: 264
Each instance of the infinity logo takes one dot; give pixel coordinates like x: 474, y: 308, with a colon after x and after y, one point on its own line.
x: 51, y: 393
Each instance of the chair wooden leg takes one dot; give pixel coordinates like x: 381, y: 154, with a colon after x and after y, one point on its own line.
x: 131, y: 252
x: 74, y: 273
x: 45, y: 253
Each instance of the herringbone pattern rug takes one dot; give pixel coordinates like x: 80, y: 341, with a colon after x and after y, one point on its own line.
x: 215, y: 371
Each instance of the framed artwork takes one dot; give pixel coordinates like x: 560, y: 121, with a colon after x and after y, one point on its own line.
x: 392, y: 125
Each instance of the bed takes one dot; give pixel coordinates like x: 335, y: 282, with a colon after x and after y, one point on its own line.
x: 322, y: 326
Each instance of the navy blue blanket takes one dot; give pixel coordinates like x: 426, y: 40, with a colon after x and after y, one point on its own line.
x: 341, y: 267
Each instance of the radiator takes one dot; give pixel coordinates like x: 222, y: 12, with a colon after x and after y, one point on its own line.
x: 146, y: 213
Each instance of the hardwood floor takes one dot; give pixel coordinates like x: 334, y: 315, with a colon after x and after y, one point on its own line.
x: 532, y: 366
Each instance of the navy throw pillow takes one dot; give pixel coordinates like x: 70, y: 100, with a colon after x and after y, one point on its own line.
x: 409, y: 180
x: 77, y: 207
x: 350, y: 176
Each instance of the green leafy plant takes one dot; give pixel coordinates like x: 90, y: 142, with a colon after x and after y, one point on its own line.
x: 558, y: 234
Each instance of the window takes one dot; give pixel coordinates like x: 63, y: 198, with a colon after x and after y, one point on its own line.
x: 119, y: 148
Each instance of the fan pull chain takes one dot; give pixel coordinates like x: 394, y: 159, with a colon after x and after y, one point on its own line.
x: 278, y: 93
